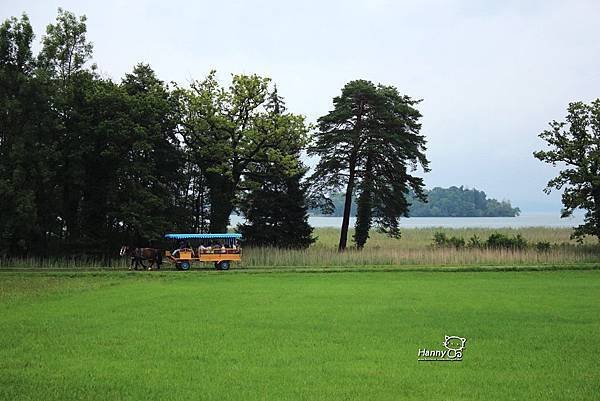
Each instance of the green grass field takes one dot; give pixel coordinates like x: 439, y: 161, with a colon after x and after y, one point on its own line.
x: 290, y: 336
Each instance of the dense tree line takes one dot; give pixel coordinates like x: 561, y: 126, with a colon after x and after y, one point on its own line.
x: 88, y: 164
x: 443, y: 202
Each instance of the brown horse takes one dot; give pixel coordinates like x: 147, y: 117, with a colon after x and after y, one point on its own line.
x: 141, y: 256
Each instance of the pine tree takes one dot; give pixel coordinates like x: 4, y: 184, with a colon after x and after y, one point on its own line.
x: 368, y: 145
x: 277, y: 215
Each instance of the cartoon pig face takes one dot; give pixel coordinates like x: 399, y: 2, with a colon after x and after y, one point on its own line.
x: 454, y: 343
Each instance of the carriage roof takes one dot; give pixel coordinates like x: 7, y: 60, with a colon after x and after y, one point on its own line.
x: 204, y: 236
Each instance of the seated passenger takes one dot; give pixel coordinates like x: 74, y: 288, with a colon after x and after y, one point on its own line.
x: 175, y: 253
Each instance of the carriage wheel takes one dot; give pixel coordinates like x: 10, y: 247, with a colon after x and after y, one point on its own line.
x: 224, y: 265
x: 185, y: 265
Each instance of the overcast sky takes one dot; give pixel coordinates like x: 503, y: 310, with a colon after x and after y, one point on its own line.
x: 492, y: 73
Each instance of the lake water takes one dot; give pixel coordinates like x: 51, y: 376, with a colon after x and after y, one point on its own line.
x: 524, y: 220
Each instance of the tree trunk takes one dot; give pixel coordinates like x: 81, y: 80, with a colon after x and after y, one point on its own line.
x: 70, y: 213
x: 221, y: 202
x: 596, y: 213
x: 364, y: 213
x: 348, y: 203
x: 351, y: 177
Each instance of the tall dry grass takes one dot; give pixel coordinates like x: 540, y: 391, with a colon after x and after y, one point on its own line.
x: 422, y: 237
x: 415, y: 248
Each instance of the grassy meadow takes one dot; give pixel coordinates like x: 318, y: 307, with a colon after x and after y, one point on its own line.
x: 343, y: 336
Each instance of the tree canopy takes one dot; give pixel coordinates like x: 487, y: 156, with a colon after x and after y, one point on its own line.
x: 230, y: 132
x: 574, y: 145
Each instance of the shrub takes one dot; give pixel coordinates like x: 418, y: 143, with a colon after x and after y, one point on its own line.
x: 457, y: 242
x: 501, y: 241
x: 542, y: 246
x: 475, y: 242
x: 441, y: 240
x: 494, y: 241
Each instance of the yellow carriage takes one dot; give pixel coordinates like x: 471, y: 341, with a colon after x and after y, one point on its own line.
x: 220, y: 249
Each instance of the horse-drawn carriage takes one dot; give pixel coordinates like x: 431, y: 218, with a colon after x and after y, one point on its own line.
x: 220, y: 249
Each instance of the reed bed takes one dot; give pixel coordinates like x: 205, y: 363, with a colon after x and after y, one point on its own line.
x: 413, y: 249
x: 417, y: 256
x: 64, y: 263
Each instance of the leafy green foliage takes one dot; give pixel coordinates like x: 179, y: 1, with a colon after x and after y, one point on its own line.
x: 474, y: 242
x: 543, y: 246
x: 232, y: 132
x: 575, y: 146
x: 442, y: 240
x: 497, y: 241
x: 65, y: 47
x: 27, y: 149
x: 276, y: 214
x: 275, y: 207
x: 87, y: 164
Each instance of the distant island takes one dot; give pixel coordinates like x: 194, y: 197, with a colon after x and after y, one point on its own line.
x: 444, y: 202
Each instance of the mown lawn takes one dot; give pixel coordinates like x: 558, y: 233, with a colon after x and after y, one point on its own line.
x: 298, y: 336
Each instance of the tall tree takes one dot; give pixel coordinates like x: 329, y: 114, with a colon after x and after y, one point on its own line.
x: 227, y: 132
x: 153, y: 172
x: 130, y: 162
x: 65, y: 46
x: 62, y: 60
x: 369, y: 144
x: 275, y: 207
x: 19, y: 103
x: 575, y: 145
